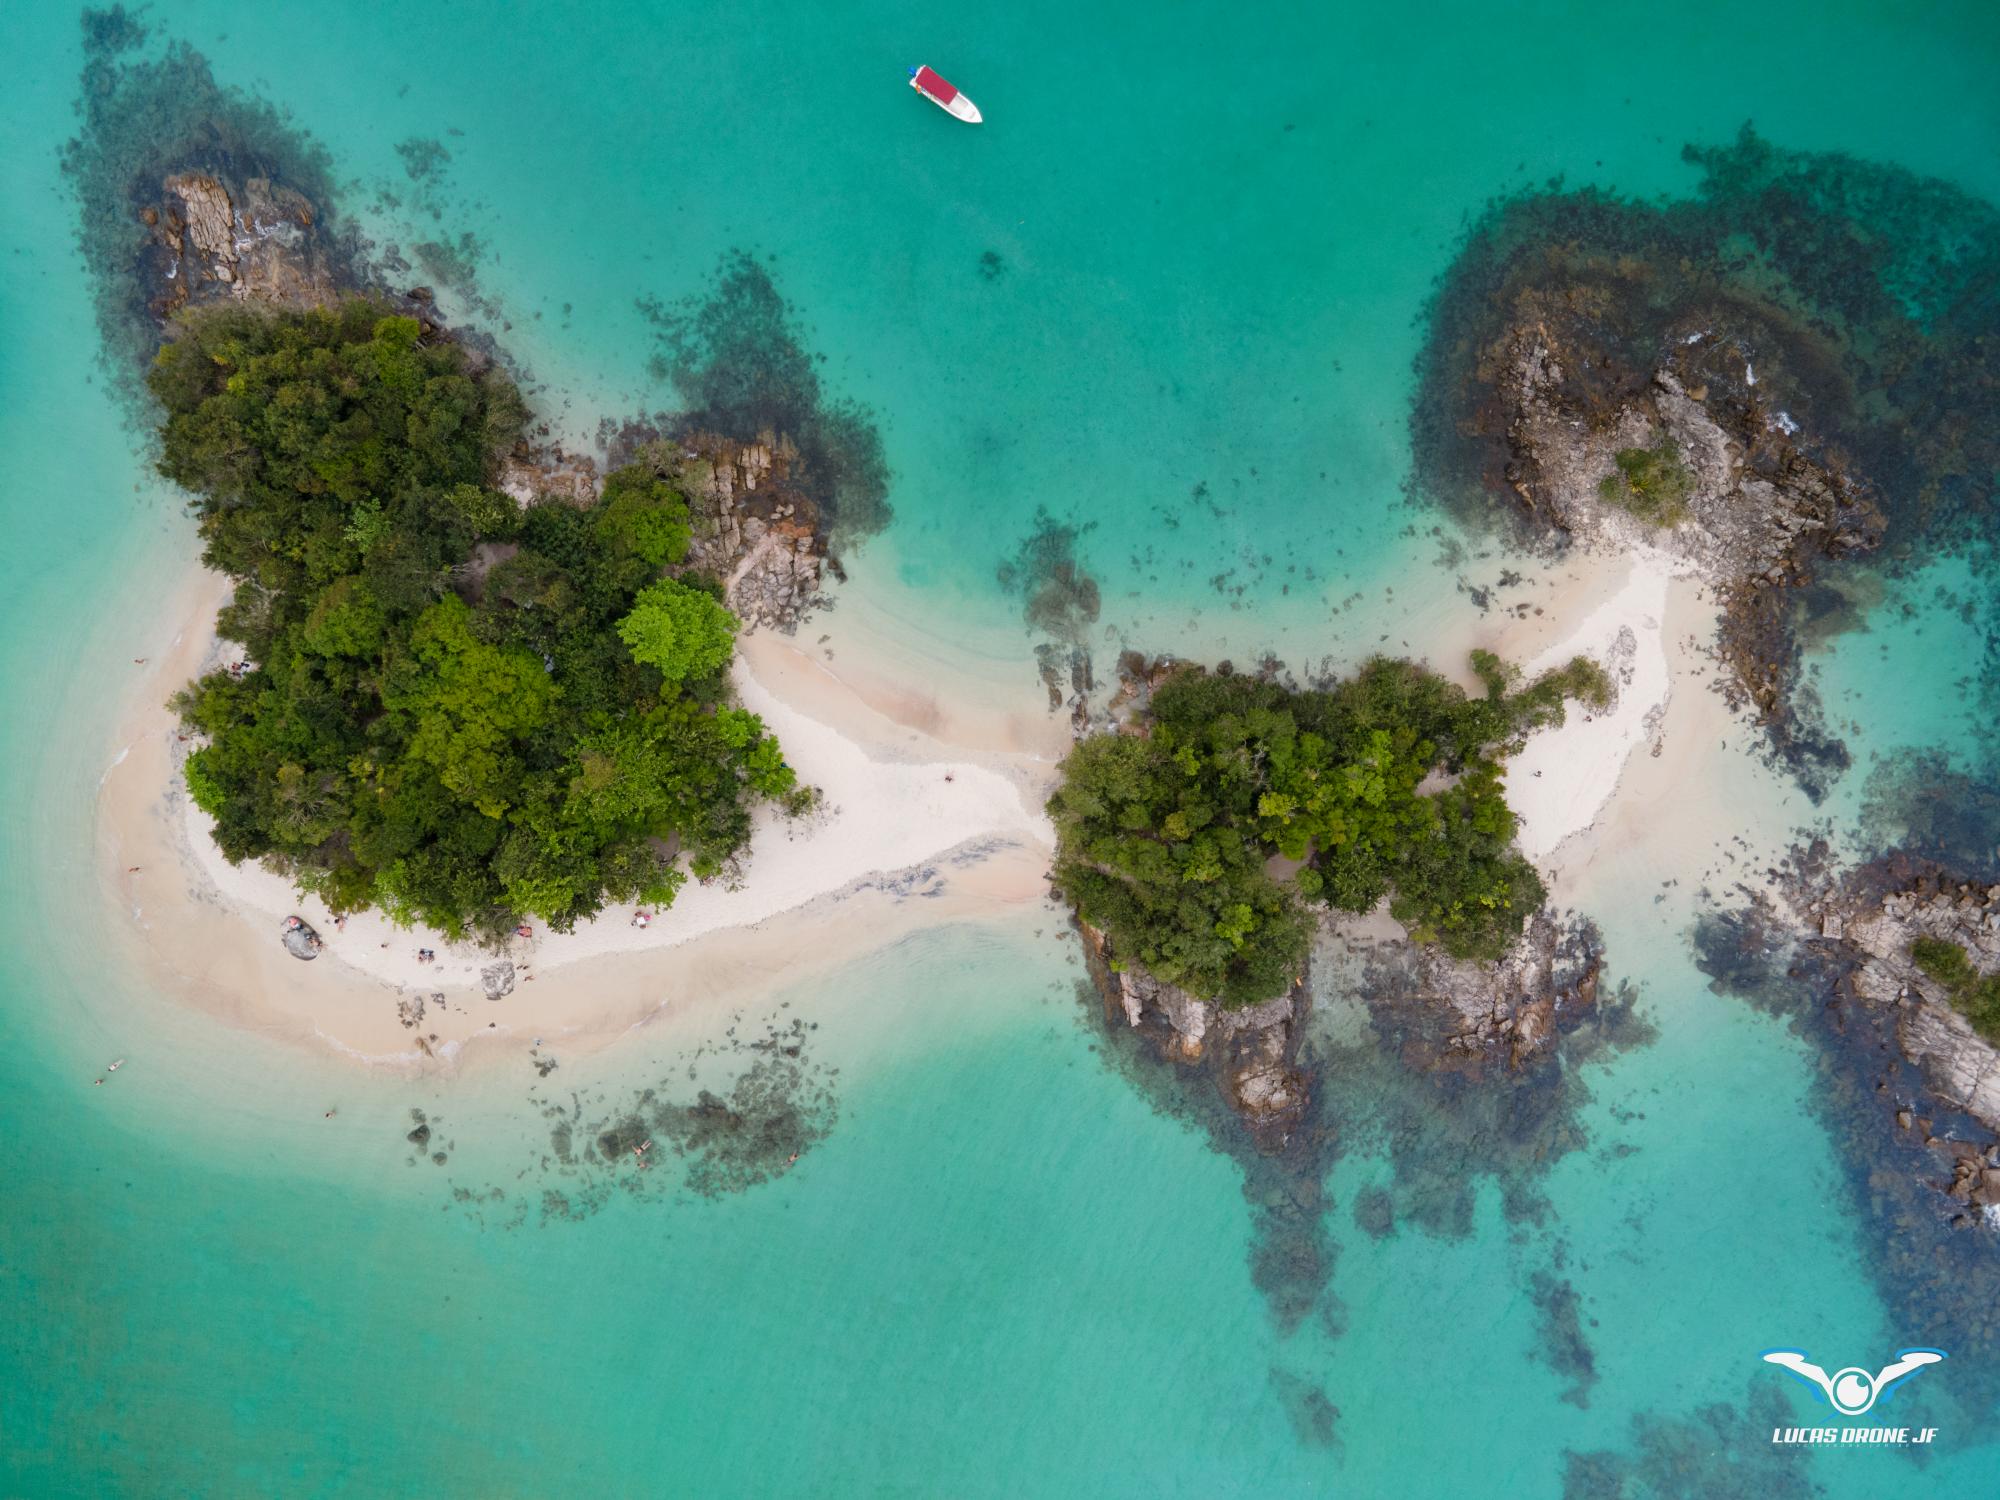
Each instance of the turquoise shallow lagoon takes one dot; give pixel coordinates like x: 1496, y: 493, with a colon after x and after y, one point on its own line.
x: 1211, y: 233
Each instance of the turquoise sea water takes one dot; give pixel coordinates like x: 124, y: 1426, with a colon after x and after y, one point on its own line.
x: 1003, y: 1273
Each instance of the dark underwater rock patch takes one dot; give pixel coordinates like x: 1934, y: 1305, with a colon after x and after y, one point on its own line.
x: 1717, y: 1452
x: 1442, y: 1130
x: 1060, y: 602
x: 766, y: 1104
x: 1315, y: 1419
x: 424, y: 160
x: 727, y: 1139
x: 453, y: 263
x: 1927, y: 806
x: 1059, y: 597
x: 1565, y: 1347
x: 1375, y: 1213
x: 739, y: 364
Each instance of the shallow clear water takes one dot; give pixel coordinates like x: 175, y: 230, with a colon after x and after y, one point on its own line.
x: 1003, y: 1273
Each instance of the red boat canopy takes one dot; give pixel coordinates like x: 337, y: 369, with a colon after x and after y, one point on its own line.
x: 935, y: 86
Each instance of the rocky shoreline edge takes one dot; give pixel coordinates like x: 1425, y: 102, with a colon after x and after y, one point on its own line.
x: 1938, y: 1081
x: 1446, y: 1015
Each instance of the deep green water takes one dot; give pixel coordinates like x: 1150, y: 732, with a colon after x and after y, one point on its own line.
x: 1002, y: 1273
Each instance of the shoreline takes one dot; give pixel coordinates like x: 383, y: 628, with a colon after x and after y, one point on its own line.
x: 895, y: 846
x: 845, y: 878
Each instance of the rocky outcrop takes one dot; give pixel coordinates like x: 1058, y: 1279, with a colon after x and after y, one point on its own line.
x: 756, y: 527
x: 497, y: 979
x: 1758, y: 507
x: 299, y: 938
x: 1876, y: 931
x: 1459, y: 1015
x: 254, y: 241
x: 548, y: 471
x: 1251, y: 1051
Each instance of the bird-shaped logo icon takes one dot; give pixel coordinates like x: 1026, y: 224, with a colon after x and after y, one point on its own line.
x: 1852, y: 1391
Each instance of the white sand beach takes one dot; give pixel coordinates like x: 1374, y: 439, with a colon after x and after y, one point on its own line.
x: 1563, y: 777
x: 1604, y: 798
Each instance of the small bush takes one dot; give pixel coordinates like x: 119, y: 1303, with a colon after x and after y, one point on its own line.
x: 1652, y: 484
x: 1974, y: 997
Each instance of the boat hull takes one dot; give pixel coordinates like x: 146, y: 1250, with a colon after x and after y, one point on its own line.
x: 945, y: 96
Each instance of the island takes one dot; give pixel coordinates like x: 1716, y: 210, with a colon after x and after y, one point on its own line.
x: 1199, y: 839
x: 466, y: 710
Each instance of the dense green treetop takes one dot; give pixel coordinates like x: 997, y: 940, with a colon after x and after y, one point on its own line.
x: 464, y: 710
x: 1200, y: 844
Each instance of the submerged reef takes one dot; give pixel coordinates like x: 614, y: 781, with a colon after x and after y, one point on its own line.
x: 1703, y: 1454
x: 728, y: 1138
x: 739, y: 363
x: 1565, y: 1347
x: 1060, y: 603
x: 1442, y: 1131
x: 1786, y: 369
x: 730, y: 1115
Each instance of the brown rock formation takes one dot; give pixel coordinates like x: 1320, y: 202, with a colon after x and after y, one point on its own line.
x: 755, y: 527
x: 258, y: 242
x: 1464, y: 1016
x: 1252, y: 1051
x: 1876, y: 931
